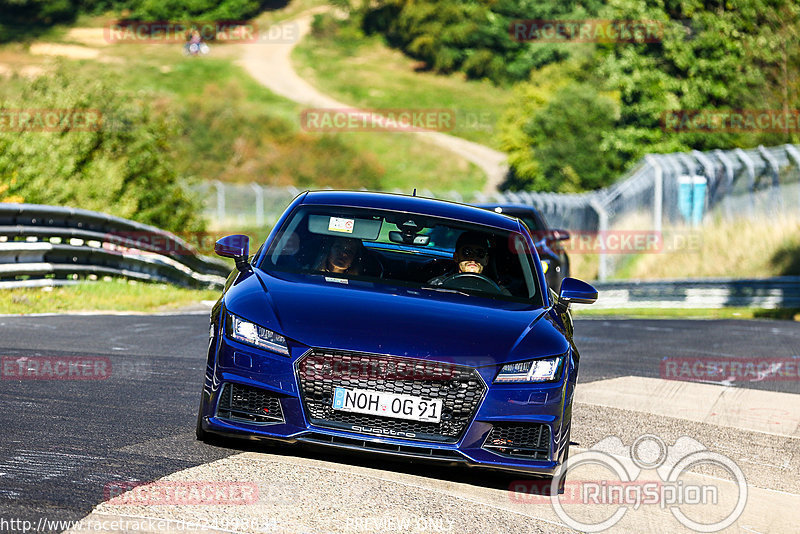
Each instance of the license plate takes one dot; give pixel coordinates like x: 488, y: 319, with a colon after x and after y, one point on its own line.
x: 387, y: 404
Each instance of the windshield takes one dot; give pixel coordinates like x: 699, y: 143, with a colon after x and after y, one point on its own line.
x: 338, y: 244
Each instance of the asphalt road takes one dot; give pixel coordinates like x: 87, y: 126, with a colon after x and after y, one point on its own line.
x: 65, y: 441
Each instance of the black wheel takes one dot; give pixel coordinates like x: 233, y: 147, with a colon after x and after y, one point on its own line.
x: 563, y: 479
x: 201, y: 434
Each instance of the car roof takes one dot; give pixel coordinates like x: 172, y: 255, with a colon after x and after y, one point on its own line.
x: 412, y: 204
x: 509, y: 207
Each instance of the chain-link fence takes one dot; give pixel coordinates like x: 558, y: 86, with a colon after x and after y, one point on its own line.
x: 674, y: 190
x: 677, y: 190
x: 230, y: 206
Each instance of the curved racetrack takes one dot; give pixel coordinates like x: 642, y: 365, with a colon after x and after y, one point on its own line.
x: 66, y: 442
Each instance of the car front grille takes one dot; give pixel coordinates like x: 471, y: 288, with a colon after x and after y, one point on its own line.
x: 246, y: 403
x: 528, y: 440
x: 460, y: 388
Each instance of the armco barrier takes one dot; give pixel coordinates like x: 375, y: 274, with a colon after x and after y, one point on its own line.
x: 49, y: 245
x: 769, y: 293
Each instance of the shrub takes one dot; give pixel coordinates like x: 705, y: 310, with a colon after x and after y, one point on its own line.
x: 124, y: 168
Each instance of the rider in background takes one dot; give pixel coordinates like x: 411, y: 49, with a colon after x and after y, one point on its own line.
x: 194, y: 44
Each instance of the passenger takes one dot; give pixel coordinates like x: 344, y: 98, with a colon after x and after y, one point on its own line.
x: 343, y: 257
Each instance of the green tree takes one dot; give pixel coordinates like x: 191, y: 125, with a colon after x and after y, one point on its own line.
x: 124, y: 167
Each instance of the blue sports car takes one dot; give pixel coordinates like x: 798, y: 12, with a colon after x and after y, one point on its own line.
x: 396, y: 325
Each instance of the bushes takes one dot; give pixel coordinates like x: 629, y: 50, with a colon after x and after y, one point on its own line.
x: 471, y: 36
x: 124, y: 168
x: 25, y: 19
x: 194, y: 10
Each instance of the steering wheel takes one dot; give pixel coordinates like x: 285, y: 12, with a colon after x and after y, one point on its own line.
x: 472, y: 281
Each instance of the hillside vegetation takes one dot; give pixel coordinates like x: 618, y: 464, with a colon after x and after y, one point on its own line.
x: 583, y: 111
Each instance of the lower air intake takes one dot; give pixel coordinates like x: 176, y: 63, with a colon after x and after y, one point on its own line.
x: 529, y: 440
x: 249, y: 404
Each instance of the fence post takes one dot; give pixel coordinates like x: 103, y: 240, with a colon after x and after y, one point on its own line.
x: 259, y: 204
x: 658, y: 192
x: 751, y: 176
x: 774, y: 169
x: 794, y: 155
x: 602, y: 219
x: 220, y: 201
x: 710, y: 173
x: 727, y: 165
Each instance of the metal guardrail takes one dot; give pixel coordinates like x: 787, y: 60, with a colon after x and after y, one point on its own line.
x: 50, y: 245
x: 768, y: 293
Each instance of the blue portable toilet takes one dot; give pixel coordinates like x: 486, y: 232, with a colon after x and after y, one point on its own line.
x: 692, y: 198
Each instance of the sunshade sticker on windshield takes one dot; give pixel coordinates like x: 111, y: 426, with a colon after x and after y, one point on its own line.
x: 339, y: 224
x: 360, y: 228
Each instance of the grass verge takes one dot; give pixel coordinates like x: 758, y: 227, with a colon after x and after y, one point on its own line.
x: 362, y: 71
x: 746, y: 248
x: 114, y: 295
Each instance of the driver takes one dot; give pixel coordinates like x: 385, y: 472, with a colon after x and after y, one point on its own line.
x: 471, y: 256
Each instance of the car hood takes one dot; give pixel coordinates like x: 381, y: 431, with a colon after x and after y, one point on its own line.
x: 383, y: 319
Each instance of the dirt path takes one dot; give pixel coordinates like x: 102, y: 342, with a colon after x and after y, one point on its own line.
x: 270, y: 64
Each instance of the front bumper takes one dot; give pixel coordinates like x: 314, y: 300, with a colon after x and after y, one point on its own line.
x: 505, y: 412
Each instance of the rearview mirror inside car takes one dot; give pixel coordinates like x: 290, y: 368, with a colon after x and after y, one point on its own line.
x: 409, y: 238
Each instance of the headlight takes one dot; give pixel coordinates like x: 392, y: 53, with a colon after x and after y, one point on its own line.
x: 543, y: 370
x: 252, y: 334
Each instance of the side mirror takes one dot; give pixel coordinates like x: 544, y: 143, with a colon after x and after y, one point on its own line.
x: 560, y: 235
x: 235, y: 246
x: 575, y: 291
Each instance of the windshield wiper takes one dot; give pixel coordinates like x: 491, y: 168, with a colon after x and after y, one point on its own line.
x: 445, y: 290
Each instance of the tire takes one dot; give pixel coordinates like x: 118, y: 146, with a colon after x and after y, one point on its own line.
x: 201, y: 434
x: 566, y: 457
x: 563, y: 480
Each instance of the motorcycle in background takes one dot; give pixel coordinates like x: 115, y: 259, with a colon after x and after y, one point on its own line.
x: 195, y: 46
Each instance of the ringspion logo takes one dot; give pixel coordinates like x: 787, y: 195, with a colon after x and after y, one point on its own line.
x: 622, y: 488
